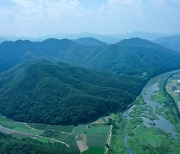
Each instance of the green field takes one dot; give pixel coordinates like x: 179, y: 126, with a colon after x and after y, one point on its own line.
x: 152, y: 140
x: 96, y: 135
x: 43, y: 139
x: 18, y: 126
x: 94, y: 150
x: 79, y: 130
x: 40, y: 132
x: 59, y: 128
x: 98, y: 130
x: 117, y: 144
x: 96, y: 140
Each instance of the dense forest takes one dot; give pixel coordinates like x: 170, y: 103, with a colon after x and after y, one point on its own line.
x: 54, y: 92
x: 11, y: 145
x: 135, y: 57
x: 58, y: 93
x: 132, y: 56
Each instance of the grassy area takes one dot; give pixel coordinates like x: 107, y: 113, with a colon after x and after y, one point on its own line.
x: 142, y: 110
x: 117, y: 144
x: 4, y: 119
x: 79, y: 130
x: 143, y: 140
x: 133, y: 123
x: 152, y: 140
x: 96, y: 135
x: 58, y: 128
x: 98, y: 130
x: 94, y: 150
x: 139, y: 101
x: 18, y: 126
x: 96, y: 140
x: 169, y: 111
x: 43, y: 139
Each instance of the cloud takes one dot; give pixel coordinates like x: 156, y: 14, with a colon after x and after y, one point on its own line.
x: 48, y: 8
x: 120, y: 6
x: 43, y: 17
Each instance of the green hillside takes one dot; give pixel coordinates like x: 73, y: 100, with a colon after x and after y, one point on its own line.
x: 171, y: 42
x: 64, y: 50
x: 135, y: 57
x: 57, y: 93
x: 11, y: 145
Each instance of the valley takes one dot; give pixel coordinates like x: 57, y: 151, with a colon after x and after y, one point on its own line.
x: 84, y: 96
x: 150, y: 124
x: 89, y: 77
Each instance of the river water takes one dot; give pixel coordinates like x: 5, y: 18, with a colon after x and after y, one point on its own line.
x: 148, y: 91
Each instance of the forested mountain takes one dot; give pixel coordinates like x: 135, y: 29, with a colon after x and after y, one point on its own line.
x: 131, y: 56
x: 103, y: 38
x: 171, y: 42
x: 11, y: 53
x: 135, y: 57
x: 89, y: 41
x: 57, y: 93
x: 11, y: 145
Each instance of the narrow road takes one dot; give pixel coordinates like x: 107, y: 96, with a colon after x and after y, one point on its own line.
x: 11, y: 131
x: 109, y: 139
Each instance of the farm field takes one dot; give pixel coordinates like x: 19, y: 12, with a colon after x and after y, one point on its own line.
x: 173, y: 88
x: 94, y: 150
x: 92, y: 137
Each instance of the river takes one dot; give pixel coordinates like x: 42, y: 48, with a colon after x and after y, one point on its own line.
x: 148, y: 91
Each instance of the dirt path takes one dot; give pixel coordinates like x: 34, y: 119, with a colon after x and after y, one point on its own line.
x: 109, y: 139
x: 11, y: 131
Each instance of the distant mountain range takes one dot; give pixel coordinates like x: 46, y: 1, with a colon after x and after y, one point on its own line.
x: 106, y: 38
x: 58, y: 81
x: 119, y: 57
x: 89, y: 41
x: 142, y: 35
x: 171, y: 42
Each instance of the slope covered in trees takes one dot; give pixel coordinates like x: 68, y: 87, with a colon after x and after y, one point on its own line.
x: 57, y: 93
x: 171, y: 42
x: 135, y: 57
x: 12, y: 53
x: 131, y: 56
x: 11, y: 145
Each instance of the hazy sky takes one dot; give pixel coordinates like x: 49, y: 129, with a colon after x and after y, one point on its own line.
x: 44, y: 17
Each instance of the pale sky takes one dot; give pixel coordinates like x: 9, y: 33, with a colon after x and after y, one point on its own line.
x: 45, y: 17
